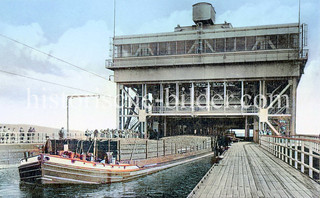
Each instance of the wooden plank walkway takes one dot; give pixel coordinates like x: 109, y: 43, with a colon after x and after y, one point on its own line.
x: 249, y: 171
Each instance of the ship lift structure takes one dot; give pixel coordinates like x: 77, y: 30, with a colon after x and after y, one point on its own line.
x: 209, y: 77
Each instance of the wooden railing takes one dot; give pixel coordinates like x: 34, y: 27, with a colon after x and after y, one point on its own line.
x: 301, y: 153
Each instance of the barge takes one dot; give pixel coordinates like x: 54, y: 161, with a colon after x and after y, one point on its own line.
x: 67, y: 167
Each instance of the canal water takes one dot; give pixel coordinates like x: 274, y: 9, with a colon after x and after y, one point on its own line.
x: 174, y: 182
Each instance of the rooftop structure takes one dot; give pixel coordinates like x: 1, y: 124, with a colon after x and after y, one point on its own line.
x: 209, y: 77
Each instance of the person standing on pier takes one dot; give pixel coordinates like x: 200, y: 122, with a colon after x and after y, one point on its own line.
x: 62, y: 133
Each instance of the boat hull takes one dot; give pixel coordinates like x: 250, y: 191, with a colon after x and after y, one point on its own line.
x: 57, y: 170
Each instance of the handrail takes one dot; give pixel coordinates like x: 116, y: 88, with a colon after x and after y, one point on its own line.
x: 301, y: 153
x: 293, y: 138
x: 16, y: 137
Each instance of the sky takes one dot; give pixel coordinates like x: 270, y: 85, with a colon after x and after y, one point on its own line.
x: 79, y: 32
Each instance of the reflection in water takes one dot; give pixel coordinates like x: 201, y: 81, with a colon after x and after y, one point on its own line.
x: 174, y: 182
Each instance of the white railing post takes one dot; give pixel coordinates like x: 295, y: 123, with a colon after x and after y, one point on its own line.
x: 296, y: 154
x: 282, y: 149
x: 302, y: 156
x: 290, y: 152
x: 278, y: 147
x: 286, y: 149
x: 310, y: 159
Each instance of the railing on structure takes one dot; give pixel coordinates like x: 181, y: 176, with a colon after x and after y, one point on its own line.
x: 310, y: 137
x: 22, y: 137
x: 32, y: 137
x: 301, y: 153
x: 109, y: 63
x: 304, y: 53
x: 139, y: 149
x: 188, y: 109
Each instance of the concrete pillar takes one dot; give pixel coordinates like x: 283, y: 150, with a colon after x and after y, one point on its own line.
x: 242, y: 94
x: 165, y: 126
x: 224, y: 95
x: 192, y: 96
x: 118, y: 105
x: 177, y: 96
x: 293, y: 106
x: 122, y: 108
x: 146, y: 129
x: 161, y: 98
x: 208, y: 97
x: 246, y: 128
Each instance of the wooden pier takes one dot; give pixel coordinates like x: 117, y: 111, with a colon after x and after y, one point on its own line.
x: 247, y: 170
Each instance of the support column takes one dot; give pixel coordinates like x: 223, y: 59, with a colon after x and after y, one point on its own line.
x: 242, y: 94
x: 293, y: 105
x: 177, y: 97
x: 165, y: 126
x: 246, y: 129
x: 224, y: 95
x: 146, y: 129
x: 192, y: 97
x: 122, y: 108
x: 161, y: 98
x: 256, y: 130
x: 208, y: 97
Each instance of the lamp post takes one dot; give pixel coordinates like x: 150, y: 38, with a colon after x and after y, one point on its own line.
x: 76, y: 96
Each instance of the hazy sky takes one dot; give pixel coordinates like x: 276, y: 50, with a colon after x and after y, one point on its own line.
x: 79, y: 32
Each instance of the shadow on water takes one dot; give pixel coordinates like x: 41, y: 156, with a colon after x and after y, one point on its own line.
x: 174, y: 182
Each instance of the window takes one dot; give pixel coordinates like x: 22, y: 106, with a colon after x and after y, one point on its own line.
x: 271, y: 42
x: 126, y: 50
x: 230, y: 44
x: 294, y: 41
x: 210, y: 46
x: 154, y: 49
x: 190, y: 47
x: 282, y: 41
x: 172, y: 48
x: 260, y: 43
x: 181, y: 47
x: 135, y: 48
x: 240, y: 43
x: 220, y: 45
x: 251, y: 41
x: 144, y: 49
x: 117, y: 51
x: 162, y: 48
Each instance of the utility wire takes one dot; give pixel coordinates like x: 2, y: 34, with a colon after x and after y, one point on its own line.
x: 48, y: 82
x: 54, y: 57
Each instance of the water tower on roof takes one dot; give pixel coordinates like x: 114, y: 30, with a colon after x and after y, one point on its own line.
x: 203, y: 13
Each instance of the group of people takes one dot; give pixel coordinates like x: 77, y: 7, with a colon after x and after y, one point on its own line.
x: 7, y: 129
x: 8, y: 135
x: 112, y: 133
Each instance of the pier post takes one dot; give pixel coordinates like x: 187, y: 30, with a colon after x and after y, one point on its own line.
x: 302, y: 157
x: 146, y: 149
x: 296, y: 154
x: 310, y: 160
